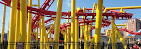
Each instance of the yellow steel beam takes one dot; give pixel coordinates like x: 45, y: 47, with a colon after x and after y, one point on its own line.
x: 77, y: 31
x: 17, y: 26
x: 11, y: 35
x: 49, y: 32
x: 91, y: 41
x: 107, y: 32
x: 83, y: 11
x: 34, y: 33
x: 68, y: 38
x: 89, y: 30
x: 29, y: 26
x: 120, y: 37
x: 34, y: 5
x: 113, y: 34
x: 23, y: 18
x: 51, y: 28
x: 44, y: 42
x: 81, y: 35
x: 68, y: 33
x: 57, y: 24
x: 91, y: 44
x: 47, y: 45
x: 119, y: 34
x: 128, y: 7
x: 85, y: 32
x: 73, y: 24
x: 86, y: 36
x: 91, y: 19
x: 17, y: 33
x: 121, y: 10
x: 40, y: 31
x: 121, y: 25
x: 42, y: 34
x: 38, y: 3
x: 50, y: 37
x: 109, y: 41
x: 98, y: 23
x: 37, y: 37
x: 65, y: 40
x: 62, y: 32
x: 3, y: 23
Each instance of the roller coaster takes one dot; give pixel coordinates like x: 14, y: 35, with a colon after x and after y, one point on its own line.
x: 83, y: 19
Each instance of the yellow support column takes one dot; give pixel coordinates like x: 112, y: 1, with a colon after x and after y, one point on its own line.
x: 85, y: 32
x: 29, y: 26
x: 50, y: 28
x: 109, y: 41
x: 12, y: 25
x: 113, y: 35
x: 89, y: 30
x: 38, y: 3
x: 3, y: 23
x: 68, y: 34
x: 65, y: 40
x: 120, y: 37
x: 46, y: 36
x: 73, y: 24
x: 37, y: 38
x: 77, y: 31
x: 91, y: 41
x: 57, y: 24
x: 98, y: 24
x: 44, y: 44
x: 81, y: 34
x: 91, y: 22
x: 83, y: 27
x: 42, y: 34
x: 17, y: 33
x: 50, y: 38
x: 47, y: 41
x: 23, y: 18
x: 86, y: 36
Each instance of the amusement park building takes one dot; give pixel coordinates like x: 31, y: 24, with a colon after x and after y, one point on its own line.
x: 133, y: 25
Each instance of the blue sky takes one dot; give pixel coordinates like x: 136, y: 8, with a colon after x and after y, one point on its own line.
x: 83, y: 3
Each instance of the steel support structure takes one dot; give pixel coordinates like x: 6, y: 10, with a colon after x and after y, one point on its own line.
x: 28, y: 44
x: 77, y: 31
x: 68, y: 35
x: 57, y: 24
x: 3, y: 23
x: 120, y: 36
x: 91, y: 41
x: 98, y: 24
x: 23, y: 18
x: 17, y: 33
x: 72, y: 24
x: 113, y: 34
x: 12, y: 25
